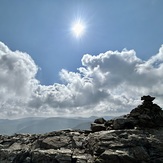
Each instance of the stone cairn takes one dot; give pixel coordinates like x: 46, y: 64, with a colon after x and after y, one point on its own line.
x: 146, y: 115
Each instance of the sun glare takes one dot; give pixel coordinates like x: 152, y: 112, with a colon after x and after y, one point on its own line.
x: 78, y: 29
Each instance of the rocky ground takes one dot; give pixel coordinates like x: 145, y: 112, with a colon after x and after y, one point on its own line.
x: 134, y: 138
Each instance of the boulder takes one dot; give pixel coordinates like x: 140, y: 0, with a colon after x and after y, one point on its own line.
x: 97, y: 127
x: 100, y: 121
x: 123, y: 123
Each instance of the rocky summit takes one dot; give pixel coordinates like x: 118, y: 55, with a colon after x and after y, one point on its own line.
x: 133, y: 138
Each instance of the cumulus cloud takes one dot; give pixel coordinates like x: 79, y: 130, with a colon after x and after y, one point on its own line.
x: 110, y: 83
x: 17, y: 71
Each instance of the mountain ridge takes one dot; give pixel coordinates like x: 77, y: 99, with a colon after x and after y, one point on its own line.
x: 41, y: 125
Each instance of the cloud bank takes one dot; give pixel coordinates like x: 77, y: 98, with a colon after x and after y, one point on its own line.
x: 110, y: 83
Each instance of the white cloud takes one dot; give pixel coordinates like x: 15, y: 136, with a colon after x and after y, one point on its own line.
x: 17, y: 80
x: 109, y: 83
x: 17, y: 71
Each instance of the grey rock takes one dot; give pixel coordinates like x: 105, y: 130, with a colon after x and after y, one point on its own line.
x: 134, y: 138
x: 97, y: 127
x: 100, y: 121
x: 147, y: 98
x: 146, y: 115
x: 125, y: 145
x: 123, y: 123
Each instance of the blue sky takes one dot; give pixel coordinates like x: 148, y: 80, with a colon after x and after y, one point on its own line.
x: 42, y: 29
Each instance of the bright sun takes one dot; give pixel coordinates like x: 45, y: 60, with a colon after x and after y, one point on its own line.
x: 78, y: 29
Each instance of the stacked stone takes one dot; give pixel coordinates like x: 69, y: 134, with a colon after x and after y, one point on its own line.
x: 147, y: 100
x: 98, y: 125
x: 146, y: 115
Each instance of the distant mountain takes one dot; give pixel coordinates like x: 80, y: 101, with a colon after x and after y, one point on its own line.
x: 40, y: 125
x: 83, y: 126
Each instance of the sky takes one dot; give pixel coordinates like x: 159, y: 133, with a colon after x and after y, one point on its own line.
x: 45, y: 70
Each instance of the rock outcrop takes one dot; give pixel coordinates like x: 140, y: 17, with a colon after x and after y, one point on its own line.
x: 134, y: 138
x: 146, y: 115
